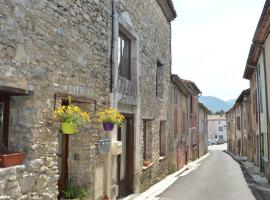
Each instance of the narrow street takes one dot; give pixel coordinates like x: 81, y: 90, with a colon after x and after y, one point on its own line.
x: 219, y: 177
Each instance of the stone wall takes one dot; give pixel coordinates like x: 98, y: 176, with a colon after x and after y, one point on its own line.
x: 154, y: 37
x: 49, y: 47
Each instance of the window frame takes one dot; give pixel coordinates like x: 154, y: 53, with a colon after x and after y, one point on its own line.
x: 6, y: 113
x: 147, y: 123
x: 162, y: 138
x: 159, y: 80
x: 121, y: 70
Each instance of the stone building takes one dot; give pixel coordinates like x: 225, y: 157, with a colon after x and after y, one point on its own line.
x: 193, y: 109
x: 179, y: 135
x: 141, y: 67
x: 251, y: 74
x: 258, y: 72
x: 102, y: 53
x: 231, y: 129
x: 50, y: 50
x: 203, y: 129
x: 243, y: 123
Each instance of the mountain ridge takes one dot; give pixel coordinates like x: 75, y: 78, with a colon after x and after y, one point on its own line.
x: 216, y: 104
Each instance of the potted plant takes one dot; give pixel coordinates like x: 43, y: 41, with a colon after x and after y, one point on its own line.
x: 72, y: 192
x: 71, y: 117
x: 146, y: 163
x: 106, y: 197
x: 109, y: 117
x: 8, y: 158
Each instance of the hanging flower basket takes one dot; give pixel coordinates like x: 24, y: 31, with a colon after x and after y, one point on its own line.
x: 109, y: 117
x: 68, y: 128
x: 71, y: 117
x: 108, y: 126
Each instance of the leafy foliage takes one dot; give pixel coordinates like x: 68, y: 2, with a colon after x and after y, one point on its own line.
x: 72, y: 192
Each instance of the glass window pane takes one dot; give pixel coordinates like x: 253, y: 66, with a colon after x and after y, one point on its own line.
x: 124, y: 56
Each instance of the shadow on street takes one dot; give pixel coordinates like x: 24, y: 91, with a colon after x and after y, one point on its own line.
x: 261, y: 191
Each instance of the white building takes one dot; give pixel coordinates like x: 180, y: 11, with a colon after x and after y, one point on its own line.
x: 217, y: 127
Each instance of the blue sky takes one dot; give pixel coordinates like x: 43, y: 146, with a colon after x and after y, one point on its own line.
x: 211, y: 41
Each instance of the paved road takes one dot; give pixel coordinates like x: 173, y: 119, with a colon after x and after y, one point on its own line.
x: 219, y: 177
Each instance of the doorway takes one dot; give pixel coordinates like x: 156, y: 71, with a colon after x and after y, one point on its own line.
x: 125, y: 161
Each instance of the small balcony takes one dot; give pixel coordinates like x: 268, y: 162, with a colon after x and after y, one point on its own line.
x: 127, y: 90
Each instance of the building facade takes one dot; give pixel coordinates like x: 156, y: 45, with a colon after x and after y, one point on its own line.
x: 193, y: 119
x: 102, y: 54
x: 257, y: 71
x: 178, y: 140
x: 203, y: 129
x: 141, y: 67
x: 217, y: 128
x: 231, y: 129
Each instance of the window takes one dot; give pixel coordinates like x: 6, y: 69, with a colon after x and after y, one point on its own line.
x: 184, y: 122
x: 4, y: 119
x: 238, y: 123
x: 124, y: 54
x: 220, y: 128
x: 162, y: 139
x: 191, y: 104
x: 147, y: 140
x: 256, y: 104
x: 175, y: 122
x: 253, y: 96
x: 175, y: 95
x: 159, y: 80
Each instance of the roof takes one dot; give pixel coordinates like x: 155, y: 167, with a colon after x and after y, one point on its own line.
x: 243, y: 94
x: 176, y: 80
x: 168, y: 9
x: 258, y: 40
x: 203, y: 107
x: 231, y: 110
x: 217, y: 117
x: 193, y: 88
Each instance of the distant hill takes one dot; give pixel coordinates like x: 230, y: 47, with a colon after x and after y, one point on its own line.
x: 215, y: 104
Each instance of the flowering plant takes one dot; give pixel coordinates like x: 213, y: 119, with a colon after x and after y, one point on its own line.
x: 112, y: 116
x: 71, y: 114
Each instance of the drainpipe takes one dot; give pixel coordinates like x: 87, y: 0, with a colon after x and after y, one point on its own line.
x: 109, y: 157
x: 266, y: 95
x: 112, y: 48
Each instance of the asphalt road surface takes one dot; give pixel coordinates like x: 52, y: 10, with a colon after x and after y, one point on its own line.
x: 218, y: 177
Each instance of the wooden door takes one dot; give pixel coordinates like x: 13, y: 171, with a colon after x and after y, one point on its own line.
x: 127, y: 164
x: 63, y: 146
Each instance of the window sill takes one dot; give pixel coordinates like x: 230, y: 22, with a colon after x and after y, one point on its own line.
x: 12, y: 168
x: 161, y: 158
x: 147, y: 167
